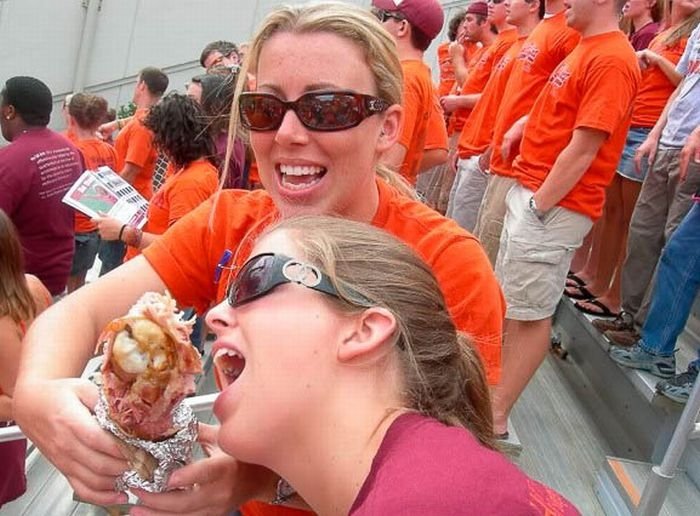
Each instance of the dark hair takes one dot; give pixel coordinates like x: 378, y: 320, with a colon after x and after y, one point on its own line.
x: 16, y: 301
x: 226, y: 48
x: 180, y: 129
x: 418, y: 38
x: 89, y: 111
x: 453, y: 25
x: 111, y: 115
x: 541, y: 11
x: 155, y: 79
x: 217, y: 96
x: 31, y: 99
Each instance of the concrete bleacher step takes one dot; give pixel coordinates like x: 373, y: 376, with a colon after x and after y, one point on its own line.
x: 620, y: 483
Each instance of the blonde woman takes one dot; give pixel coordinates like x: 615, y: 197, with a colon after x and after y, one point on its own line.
x: 327, y: 105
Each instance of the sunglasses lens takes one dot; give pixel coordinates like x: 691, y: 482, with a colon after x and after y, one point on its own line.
x: 329, y: 111
x: 261, y: 112
x: 252, y: 281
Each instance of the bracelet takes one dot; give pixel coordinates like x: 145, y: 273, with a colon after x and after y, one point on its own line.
x: 133, y: 237
x: 283, y: 492
x: 121, y: 232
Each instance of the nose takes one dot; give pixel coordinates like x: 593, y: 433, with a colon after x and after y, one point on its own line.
x: 220, y: 318
x: 291, y: 131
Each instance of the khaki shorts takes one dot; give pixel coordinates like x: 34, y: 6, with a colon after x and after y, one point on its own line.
x: 489, y: 222
x: 535, y: 255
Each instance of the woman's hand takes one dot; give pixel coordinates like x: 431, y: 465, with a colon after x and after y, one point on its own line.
x: 108, y: 227
x: 56, y: 416
x: 647, y: 150
x: 212, y: 486
x: 449, y: 103
x: 647, y: 58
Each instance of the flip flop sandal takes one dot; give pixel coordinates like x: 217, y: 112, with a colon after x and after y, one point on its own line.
x: 575, y: 280
x: 582, y: 294
x: 604, y: 310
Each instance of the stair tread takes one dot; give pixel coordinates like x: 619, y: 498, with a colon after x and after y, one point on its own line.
x: 630, y: 476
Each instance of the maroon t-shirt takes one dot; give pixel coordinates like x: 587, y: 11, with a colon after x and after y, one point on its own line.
x: 641, y: 38
x: 425, y: 467
x: 36, y: 170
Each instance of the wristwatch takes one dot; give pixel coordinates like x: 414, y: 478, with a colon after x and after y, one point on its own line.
x: 534, y: 209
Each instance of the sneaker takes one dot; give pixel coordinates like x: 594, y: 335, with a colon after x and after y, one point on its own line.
x: 678, y: 388
x: 636, y: 358
x: 625, y: 338
x: 623, y: 321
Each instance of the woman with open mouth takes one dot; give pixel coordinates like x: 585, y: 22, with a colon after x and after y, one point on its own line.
x: 362, y: 395
x: 325, y: 108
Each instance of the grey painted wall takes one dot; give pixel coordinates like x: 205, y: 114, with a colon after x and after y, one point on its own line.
x: 42, y: 38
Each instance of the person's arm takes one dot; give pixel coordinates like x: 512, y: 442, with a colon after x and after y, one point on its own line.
x: 10, y: 351
x: 649, y: 58
x: 569, y: 166
x: 690, y: 152
x: 51, y: 405
x: 5, y: 407
x: 451, y: 103
x: 458, y: 61
x: 512, y: 138
x: 650, y: 144
x: 223, y: 485
x: 432, y: 158
x: 111, y: 229
x: 129, y: 172
x: 105, y: 130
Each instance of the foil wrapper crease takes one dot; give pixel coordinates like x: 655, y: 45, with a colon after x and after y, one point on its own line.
x: 152, y: 462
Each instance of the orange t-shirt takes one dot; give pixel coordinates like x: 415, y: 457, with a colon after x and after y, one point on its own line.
x: 186, y: 256
x: 479, y: 75
x: 656, y: 88
x: 476, y: 134
x: 96, y: 153
x: 135, y: 145
x: 593, y: 87
x: 417, y: 106
x: 70, y: 134
x: 447, y: 70
x: 181, y: 193
x: 436, y: 136
x: 546, y: 46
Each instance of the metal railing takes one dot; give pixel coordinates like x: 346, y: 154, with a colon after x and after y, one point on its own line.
x: 197, y: 403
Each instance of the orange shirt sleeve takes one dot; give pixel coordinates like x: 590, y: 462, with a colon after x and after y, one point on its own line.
x: 140, y: 150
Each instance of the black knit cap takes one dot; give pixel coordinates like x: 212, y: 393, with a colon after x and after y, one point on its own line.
x: 31, y: 99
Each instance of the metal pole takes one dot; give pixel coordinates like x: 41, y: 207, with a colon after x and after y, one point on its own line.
x: 657, y: 486
x: 197, y: 403
x: 86, y: 42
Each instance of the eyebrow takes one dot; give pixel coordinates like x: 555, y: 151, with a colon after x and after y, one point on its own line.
x: 319, y: 86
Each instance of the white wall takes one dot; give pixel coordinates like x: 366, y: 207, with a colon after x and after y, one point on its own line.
x: 42, y: 38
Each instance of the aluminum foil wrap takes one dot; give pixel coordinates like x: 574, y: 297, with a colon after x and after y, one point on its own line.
x: 154, y: 460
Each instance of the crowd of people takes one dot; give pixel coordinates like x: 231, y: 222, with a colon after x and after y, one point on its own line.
x: 437, y: 227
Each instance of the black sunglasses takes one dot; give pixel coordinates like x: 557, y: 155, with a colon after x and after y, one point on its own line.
x: 320, y: 111
x: 263, y: 272
x: 383, y: 15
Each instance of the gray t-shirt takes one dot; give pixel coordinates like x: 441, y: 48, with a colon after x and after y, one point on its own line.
x: 684, y: 115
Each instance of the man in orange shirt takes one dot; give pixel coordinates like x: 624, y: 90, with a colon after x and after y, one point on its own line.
x: 467, y: 189
x: 546, y: 46
x: 447, y: 70
x: 413, y: 25
x: 136, y: 152
x: 475, y: 137
x: 571, y: 144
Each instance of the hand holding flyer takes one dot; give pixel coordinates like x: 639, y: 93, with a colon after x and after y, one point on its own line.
x: 103, y: 192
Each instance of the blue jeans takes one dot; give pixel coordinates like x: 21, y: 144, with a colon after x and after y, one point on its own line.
x: 677, y: 284
x: 111, y: 254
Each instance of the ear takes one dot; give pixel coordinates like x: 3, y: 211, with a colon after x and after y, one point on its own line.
x: 8, y: 112
x: 390, y: 128
x: 370, y: 334
x: 404, y: 30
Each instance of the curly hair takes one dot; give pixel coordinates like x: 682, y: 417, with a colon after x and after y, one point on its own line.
x: 180, y: 129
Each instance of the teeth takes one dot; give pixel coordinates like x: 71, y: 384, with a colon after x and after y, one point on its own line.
x: 227, y: 352
x: 229, y: 365
x: 300, y: 171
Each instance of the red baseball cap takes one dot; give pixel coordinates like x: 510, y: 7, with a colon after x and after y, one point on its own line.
x: 425, y: 15
x: 481, y: 8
